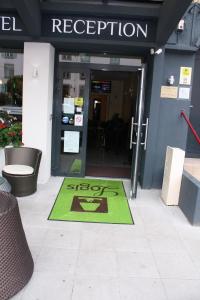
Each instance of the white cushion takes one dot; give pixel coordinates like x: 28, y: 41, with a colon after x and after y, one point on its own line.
x: 18, y: 169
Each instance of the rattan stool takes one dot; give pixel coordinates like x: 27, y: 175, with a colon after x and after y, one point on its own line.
x: 16, y: 263
x: 4, y: 185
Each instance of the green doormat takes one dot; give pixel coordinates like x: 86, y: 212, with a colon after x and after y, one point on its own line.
x: 91, y: 200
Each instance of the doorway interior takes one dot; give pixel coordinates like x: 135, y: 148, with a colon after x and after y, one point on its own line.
x: 112, y: 103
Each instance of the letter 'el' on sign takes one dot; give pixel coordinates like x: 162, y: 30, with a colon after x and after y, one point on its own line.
x: 8, y: 24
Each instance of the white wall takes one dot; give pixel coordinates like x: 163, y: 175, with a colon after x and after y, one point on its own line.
x: 37, y: 102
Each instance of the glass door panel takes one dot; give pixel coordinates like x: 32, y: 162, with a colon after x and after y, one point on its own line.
x: 137, y: 134
x: 71, y: 122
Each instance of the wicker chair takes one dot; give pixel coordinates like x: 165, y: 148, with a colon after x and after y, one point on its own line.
x: 16, y: 263
x: 22, y: 185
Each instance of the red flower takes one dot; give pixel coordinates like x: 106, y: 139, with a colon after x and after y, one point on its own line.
x: 2, y: 125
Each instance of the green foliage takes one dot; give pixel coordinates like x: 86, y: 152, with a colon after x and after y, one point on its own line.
x: 10, y: 131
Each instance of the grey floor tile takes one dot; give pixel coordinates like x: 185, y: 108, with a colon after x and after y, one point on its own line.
x: 49, y: 285
x: 136, y: 264
x: 182, y: 289
x: 176, y: 265
x: 96, y: 288
x: 141, y: 289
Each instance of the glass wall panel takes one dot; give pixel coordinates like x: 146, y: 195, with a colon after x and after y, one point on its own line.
x: 11, y: 83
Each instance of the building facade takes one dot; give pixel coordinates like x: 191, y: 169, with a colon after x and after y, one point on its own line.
x: 86, y: 62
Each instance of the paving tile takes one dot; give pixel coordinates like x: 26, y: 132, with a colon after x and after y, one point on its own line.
x: 176, y: 265
x: 56, y: 260
x: 182, y: 289
x: 136, y: 264
x: 141, y: 289
x: 97, y: 263
x: 96, y: 288
x: 35, y: 236
x: 51, y: 286
x: 59, y: 238
x: 93, y: 241
x: 160, y: 244
x: 130, y: 241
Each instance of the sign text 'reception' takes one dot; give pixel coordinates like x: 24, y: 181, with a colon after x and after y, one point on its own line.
x: 99, y: 27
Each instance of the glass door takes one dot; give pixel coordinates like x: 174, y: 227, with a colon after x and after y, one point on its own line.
x: 70, y: 121
x: 138, y: 133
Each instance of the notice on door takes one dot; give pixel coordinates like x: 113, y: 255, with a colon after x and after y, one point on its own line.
x: 184, y: 93
x: 78, y: 120
x: 78, y: 101
x: 68, y: 106
x: 169, y: 92
x: 185, y: 75
x: 71, y: 141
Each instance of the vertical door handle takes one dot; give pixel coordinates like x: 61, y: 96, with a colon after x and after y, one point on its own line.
x: 146, y: 133
x: 131, y: 136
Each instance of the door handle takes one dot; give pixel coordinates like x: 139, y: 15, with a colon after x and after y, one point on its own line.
x: 131, y: 134
x: 146, y: 133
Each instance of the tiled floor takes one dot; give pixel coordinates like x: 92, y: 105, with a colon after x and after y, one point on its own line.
x: 158, y: 258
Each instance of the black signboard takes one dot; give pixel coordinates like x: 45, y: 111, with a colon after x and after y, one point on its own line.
x: 99, y: 28
x: 77, y: 27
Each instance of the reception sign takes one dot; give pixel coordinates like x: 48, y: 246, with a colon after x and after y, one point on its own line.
x: 67, y: 26
x: 85, y: 27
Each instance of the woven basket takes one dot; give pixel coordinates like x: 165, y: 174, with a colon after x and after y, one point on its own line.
x: 16, y: 263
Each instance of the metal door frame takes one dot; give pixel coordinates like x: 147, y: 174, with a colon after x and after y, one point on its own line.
x: 88, y: 68
x: 138, y: 142
x: 57, y: 126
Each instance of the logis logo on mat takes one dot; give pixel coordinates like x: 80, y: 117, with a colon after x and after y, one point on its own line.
x: 89, y: 204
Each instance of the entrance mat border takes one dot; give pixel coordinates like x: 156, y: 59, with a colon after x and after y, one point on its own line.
x: 90, y: 221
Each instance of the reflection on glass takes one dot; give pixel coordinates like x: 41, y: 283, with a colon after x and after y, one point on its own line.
x: 100, y: 59
x: 81, y: 90
x: 11, y: 81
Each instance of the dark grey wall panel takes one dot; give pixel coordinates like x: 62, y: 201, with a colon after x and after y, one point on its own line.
x: 152, y: 105
x: 165, y: 125
x: 172, y: 132
x: 193, y: 148
x: 172, y: 128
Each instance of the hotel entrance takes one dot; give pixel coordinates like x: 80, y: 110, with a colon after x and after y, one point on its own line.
x: 65, y: 43
x: 98, y: 121
x: 117, y: 129
x: 112, y: 103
